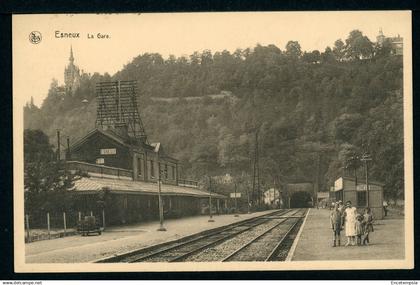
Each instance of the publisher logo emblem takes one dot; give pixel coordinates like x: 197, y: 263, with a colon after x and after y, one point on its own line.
x: 35, y: 37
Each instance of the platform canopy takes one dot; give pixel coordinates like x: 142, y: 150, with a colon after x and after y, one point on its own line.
x: 92, y: 185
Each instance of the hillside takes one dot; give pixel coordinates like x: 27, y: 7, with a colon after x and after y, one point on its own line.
x: 313, y: 111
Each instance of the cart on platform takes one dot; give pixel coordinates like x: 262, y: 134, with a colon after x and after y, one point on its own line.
x: 89, y: 225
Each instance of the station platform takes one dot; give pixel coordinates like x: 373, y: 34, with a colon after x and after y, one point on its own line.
x: 76, y: 249
x: 315, y: 241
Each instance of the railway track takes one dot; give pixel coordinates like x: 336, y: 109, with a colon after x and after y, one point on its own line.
x: 268, y: 245
x: 197, y: 247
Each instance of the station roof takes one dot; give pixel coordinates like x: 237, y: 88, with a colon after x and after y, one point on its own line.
x: 92, y: 185
x: 361, y: 181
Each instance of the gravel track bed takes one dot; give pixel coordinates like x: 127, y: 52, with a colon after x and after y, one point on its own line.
x: 261, y: 248
x: 285, y: 246
x: 173, y: 253
x: 222, y: 250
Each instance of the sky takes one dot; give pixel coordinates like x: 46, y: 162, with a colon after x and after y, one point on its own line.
x: 35, y: 65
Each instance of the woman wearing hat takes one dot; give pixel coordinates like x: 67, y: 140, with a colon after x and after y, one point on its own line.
x: 350, y: 223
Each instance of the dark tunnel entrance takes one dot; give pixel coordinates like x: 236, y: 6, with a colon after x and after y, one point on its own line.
x: 301, y: 199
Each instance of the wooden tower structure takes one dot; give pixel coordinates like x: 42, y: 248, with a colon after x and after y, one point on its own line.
x: 117, y: 109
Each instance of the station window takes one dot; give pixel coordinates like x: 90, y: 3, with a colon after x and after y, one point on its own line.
x: 173, y: 172
x: 166, y: 171
x: 139, y: 165
x: 361, y: 198
x: 152, y: 168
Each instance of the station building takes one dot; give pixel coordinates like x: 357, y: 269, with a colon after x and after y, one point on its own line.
x: 120, y: 169
x: 348, y: 189
x: 121, y: 179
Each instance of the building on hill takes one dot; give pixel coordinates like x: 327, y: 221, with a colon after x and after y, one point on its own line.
x: 116, y: 158
x: 397, y: 43
x: 71, y: 75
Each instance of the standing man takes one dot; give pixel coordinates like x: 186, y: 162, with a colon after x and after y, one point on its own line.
x: 336, y: 219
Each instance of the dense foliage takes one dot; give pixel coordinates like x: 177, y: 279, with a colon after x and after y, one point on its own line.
x: 46, y: 183
x: 312, y: 110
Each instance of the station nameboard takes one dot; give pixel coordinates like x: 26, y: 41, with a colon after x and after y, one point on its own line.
x: 232, y: 195
x: 338, y: 184
x: 108, y: 151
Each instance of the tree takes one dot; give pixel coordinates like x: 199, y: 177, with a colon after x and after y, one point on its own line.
x: 312, y: 57
x: 339, y: 50
x: 293, y: 49
x: 327, y: 55
x: 46, y: 184
x: 358, y: 46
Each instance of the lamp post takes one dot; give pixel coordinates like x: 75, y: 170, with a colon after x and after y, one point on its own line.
x: 365, y: 158
x: 210, y: 205
x: 161, y: 227
x: 236, y: 203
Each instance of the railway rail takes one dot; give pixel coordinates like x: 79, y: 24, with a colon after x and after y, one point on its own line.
x: 212, y: 245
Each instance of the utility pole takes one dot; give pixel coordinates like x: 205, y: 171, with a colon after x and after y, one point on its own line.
x: 58, y: 145
x: 161, y: 227
x: 365, y: 158
x: 236, y: 203
x: 247, y: 195
x: 256, y: 197
x: 210, y: 205
x: 68, y: 148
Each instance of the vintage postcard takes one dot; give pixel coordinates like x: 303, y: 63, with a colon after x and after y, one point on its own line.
x: 213, y: 141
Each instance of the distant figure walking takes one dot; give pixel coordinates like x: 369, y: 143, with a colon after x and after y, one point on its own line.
x: 336, y: 219
x: 350, y: 223
x: 385, y: 206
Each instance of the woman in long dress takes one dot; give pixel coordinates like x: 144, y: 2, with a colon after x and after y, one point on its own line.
x: 350, y: 223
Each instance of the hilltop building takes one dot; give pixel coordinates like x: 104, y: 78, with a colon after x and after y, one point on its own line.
x: 397, y: 43
x: 71, y: 75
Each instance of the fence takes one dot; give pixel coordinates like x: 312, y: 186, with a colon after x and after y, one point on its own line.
x: 47, y: 225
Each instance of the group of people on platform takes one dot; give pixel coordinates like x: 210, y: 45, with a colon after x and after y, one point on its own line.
x: 356, y: 226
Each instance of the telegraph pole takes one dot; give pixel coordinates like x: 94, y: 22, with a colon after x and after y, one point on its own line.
x: 365, y: 158
x: 247, y: 195
x: 68, y: 148
x: 161, y: 227
x: 210, y: 213
x: 256, y: 174
x: 236, y: 203
x: 58, y: 145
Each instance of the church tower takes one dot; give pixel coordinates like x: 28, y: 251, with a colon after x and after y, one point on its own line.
x: 71, y: 74
x: 380, y: 38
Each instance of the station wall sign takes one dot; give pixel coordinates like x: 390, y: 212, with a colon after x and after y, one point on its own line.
x: 108, y: 151
x: 338, y: 184
x: 232, y: 195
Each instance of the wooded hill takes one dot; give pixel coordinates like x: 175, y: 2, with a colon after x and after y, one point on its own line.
x: 314, y: 110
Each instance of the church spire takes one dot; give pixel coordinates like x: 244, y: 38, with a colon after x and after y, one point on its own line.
x: 71, y: 58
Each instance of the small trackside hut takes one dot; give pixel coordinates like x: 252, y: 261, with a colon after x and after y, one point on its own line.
x: 350, y: 189
x: 120, y: 168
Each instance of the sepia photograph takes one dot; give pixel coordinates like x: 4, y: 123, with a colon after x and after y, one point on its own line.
x: 213, y: 141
